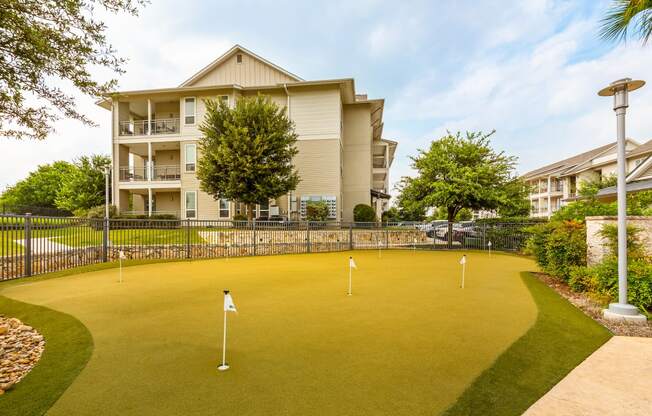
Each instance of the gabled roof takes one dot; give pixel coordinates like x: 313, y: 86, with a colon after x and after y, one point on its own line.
x: 228, y: 54
x: 642, y: 149
x: 565, y: 165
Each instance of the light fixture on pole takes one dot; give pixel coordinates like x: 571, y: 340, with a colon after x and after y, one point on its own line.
x: 619, y: 90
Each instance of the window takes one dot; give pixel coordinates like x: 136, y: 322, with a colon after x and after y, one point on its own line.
x: 263, y: 210
x: 191, y: 157
x: 191, y: 204
x: 238, y: 58
x: 331, y: 202
x: 225, y: 99
x: 190, y: 107
x: 224, y: 208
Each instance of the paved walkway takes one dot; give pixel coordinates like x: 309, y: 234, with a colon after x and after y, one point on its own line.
x: 45, y: 245
x: 614, y: 380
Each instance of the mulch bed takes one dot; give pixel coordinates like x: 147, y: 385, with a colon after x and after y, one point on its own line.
x: 594, y: 309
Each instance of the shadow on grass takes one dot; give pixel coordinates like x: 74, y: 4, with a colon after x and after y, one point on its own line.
x: 561, y: 338
x: 68, y: 347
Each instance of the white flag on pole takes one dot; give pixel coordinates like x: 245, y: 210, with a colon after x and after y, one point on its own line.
x: 121, y: 255
x: 489, y: 244
x: 229, y: 306
x: 463, y: 259
x: 352, y: 263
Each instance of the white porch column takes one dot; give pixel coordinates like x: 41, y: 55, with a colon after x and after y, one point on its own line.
x: 149, y: 199
x: 549, y: 191
x: 149, y: 161
x: 149, y: 117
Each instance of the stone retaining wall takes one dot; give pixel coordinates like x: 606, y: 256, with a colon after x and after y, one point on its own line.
x: 596, y: 247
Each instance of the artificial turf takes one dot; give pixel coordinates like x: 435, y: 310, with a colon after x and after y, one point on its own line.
x: 409, y: 341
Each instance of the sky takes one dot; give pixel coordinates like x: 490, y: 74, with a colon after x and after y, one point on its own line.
x: 531, y: 70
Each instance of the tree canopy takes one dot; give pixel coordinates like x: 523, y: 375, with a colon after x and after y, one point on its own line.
x: 463, y: 172
x: 246, y: 152
x: 84, y: 187
x: 45, y: 46
x: 74, y: 187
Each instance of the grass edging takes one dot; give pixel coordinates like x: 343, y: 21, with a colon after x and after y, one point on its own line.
x: 68, y: 347
x: 560, y: 339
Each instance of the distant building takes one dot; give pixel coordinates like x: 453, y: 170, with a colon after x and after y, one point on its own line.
x: 556, y: 184
x: 342, y: 157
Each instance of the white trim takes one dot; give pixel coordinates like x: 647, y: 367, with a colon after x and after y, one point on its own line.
x: 185, y: 157
x: 219, y: 208
x: 194, y: 111
x: 638, y: 170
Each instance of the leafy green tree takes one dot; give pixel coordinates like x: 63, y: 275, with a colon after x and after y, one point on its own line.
x: 316, y: 211
x: 84, y: 186
x: 624, y: 15
x: 247, y: 151
x: 364, y: 213
x: 41, y: 186
x: 408, y: 204
x: 462, y: 172
x: 391, y: 215
x: 46, y: 41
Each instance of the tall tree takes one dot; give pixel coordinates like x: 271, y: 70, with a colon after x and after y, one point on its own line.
x: 40, y: 188
x: 84, y: 187
x: 247, y: 151
x: 626, y: 16
x: 44, y: 43
x: 407, y: 202
x: 459, y: 172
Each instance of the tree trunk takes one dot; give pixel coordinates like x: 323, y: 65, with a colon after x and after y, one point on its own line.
x: 250, y: 212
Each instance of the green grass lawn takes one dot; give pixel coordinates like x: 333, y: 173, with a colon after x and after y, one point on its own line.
x: 408, y: 342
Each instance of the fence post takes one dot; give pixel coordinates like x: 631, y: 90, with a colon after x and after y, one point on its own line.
x: 308, y: 236
x: 28, y: 245
x: 484, y: 236
x: 188, y: 252
x: 105, y: 240
x: 350, y: 236
x: 450, y: 235
x: 254, y: 228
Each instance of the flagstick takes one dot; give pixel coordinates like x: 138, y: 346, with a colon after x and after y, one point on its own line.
x: 224, y: 365
x: 463, y: 270
x: 350, y: 272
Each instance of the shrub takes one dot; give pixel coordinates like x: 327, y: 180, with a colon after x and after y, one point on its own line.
x: 240, y: 217
x: 639, y: 281
x: 635, y: 249
x: 566, y: 247
x: 316, y: 211
x: 364, y: 213
x: 536, y: 244
x: 98, y: 212
x: 582, y: 278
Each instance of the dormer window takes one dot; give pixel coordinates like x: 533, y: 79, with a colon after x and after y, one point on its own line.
x: 238, y: 58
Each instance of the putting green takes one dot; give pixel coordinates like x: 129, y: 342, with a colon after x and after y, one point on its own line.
x: 409, y: 341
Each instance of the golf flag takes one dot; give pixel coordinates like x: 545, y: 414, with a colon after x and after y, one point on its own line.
x: 229, y: 306
x: 489, y: 244
x: 463, y: 263
x: 121, y: 255
x: 352, y: 263
x: 463, y: 259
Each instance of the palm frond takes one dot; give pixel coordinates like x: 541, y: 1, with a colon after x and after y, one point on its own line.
x: 625, y: 15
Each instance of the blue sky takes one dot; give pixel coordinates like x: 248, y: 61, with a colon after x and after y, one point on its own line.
x: 531, y: 70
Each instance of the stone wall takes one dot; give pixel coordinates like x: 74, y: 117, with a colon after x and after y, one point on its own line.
x: 596, y: 247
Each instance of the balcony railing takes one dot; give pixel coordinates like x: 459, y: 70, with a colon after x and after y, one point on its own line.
x: 159, y: 173
x: 142, y: 127
x: 379, y: 162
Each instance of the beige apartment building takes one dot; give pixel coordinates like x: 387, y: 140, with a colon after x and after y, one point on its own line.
x: 342, y: 156
x: 556, y: 184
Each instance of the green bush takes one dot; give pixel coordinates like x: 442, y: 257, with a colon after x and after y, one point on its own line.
x: 581, y: 278
x: 536, y: 244
x: 316, y: 211
x: 240, y: 217
x: 98, y: 212
x: 635, y: 249
x: 364, y: 213
x: 639, y: 281
x: 566, y: 247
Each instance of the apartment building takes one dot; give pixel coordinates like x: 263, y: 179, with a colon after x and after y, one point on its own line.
x: 342, y: 156
x: 556, y: 184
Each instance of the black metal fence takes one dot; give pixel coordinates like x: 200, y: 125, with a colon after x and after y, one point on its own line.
x: 31, y: 245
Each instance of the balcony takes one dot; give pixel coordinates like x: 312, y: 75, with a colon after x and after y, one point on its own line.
x: 159, y: 173
x: 143, y: 128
